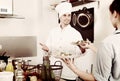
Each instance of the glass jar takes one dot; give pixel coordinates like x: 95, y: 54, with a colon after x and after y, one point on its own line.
x: 2, y: 65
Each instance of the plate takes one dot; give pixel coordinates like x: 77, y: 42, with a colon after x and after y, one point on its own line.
x: 67, y: 56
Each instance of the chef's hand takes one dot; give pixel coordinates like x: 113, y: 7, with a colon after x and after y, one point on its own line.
x: 44, y: 47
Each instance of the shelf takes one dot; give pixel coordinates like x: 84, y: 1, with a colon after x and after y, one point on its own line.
x: 77, y: 3
x: 11, y: 16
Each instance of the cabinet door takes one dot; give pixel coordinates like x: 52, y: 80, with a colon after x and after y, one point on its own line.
x: 6, y: 7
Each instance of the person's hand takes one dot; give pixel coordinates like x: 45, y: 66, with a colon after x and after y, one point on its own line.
x: 85, y: 44
x: 69, y: 62
x: 44, y: 47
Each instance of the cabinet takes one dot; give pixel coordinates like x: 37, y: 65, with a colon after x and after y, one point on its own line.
x: 6, y: 7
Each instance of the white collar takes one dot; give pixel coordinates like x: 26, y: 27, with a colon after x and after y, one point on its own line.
x: 68, y: 26
x: 117, y: 31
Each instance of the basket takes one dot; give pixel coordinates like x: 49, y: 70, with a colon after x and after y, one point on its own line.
x: 57, y: 70
x: 34, y: 70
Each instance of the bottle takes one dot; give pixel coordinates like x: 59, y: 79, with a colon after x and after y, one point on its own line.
x: 46, y: 70
x: 19, y: 73
x: 43, y: 73
x: 9, y: 66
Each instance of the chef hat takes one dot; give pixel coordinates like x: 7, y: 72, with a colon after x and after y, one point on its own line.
x: 64, y: 7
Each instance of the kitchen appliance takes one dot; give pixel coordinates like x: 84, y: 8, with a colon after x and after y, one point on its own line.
x: 83, y: 21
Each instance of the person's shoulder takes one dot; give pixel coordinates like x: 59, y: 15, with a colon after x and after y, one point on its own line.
x: 73, y: 29
x: 109, y: 39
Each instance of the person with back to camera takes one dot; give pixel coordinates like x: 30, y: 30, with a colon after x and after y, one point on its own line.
x: 108, y: 54
x: 60, y: 39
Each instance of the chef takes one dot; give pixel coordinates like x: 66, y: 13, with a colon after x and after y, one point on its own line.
x: 60, y: 39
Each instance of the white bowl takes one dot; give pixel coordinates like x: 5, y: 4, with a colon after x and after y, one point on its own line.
x: 6, y: 76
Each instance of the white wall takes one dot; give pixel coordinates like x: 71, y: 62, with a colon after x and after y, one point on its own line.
x: 11, y: 26
x: 39, y: 19
x: 103, y: 26
x: 31, y: 10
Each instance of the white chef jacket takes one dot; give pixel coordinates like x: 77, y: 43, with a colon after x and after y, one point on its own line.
x: 108, y: 59
x: 60, y: 40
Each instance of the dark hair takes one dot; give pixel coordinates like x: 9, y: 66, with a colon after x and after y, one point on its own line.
x: 115, y: 6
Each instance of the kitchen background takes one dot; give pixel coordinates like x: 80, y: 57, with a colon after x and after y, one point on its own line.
x: 39, y: 17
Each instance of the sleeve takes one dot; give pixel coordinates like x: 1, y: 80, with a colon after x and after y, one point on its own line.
x: 77, y: 37
x: 103, y: 62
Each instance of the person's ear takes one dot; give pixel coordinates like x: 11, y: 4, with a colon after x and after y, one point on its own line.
x: 115, y: 14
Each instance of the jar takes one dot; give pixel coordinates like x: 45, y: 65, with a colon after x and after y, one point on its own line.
x: 2, y: 65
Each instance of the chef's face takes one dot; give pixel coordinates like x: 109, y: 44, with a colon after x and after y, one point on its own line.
x: 65, y: 18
